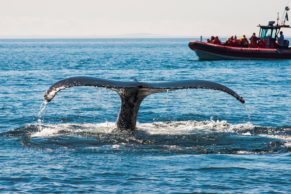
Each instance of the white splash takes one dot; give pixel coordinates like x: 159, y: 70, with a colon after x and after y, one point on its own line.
x: 190, y: 127
x: 169, y: 128
x: 90, y: 128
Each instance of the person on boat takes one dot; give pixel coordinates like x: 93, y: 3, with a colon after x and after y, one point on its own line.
x: 244, y: 41
x: 281, y: 40
x: 262, y: 43
x: 212, y: 39
x: 216, y: 40
x: 235, y: 42
x: 254, y: 41
x: 229, y: 41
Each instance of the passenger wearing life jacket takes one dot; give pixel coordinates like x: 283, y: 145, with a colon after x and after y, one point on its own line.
x: 229, y: 41
x: 216, y: 40
x: 244, y: 41
x: 212, y: 39
x: 262, y: 43
x: 254, y: 41
x: 235, y: 42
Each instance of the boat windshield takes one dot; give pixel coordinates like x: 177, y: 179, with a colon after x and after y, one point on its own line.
x: 266, y: 33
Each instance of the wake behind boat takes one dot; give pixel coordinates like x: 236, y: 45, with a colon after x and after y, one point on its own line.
x: 269, y: 45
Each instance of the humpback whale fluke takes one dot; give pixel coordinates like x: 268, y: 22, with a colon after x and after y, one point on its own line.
x: 133, y: 93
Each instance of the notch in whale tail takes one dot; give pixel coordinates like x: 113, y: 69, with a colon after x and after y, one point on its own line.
x: 133, y: 93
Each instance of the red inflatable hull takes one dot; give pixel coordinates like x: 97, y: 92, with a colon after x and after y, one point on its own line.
x: 208, y: 51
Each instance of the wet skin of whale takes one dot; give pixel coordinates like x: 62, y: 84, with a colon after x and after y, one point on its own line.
x: 133, y: 93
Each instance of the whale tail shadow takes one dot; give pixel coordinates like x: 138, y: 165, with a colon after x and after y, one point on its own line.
x: 133, y: 93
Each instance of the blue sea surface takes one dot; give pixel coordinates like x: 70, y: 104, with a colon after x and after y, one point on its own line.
x: 187, y: 141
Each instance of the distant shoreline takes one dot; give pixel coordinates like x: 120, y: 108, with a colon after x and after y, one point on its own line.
x: 113, y: 37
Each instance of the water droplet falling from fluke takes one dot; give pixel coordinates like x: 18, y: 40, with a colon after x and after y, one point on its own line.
x: 40, y: 114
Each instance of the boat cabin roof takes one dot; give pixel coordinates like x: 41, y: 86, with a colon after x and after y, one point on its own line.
x: 274, y: 27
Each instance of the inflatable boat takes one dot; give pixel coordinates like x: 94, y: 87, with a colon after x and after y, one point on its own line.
x: 209, y: 51
x: 270, y: 44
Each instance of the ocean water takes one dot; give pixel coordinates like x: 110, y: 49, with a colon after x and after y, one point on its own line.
x: 187, y: 141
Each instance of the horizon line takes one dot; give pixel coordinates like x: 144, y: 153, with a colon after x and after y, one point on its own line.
x: 127, y: 36
x: 97, y: 36
x: 133, y: 36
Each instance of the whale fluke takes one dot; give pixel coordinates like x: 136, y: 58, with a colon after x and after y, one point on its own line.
x: 133, y: 93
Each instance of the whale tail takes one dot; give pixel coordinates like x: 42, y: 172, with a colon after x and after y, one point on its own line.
x: 133, y: 93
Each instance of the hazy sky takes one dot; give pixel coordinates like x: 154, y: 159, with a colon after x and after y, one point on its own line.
x: 89, y: 18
